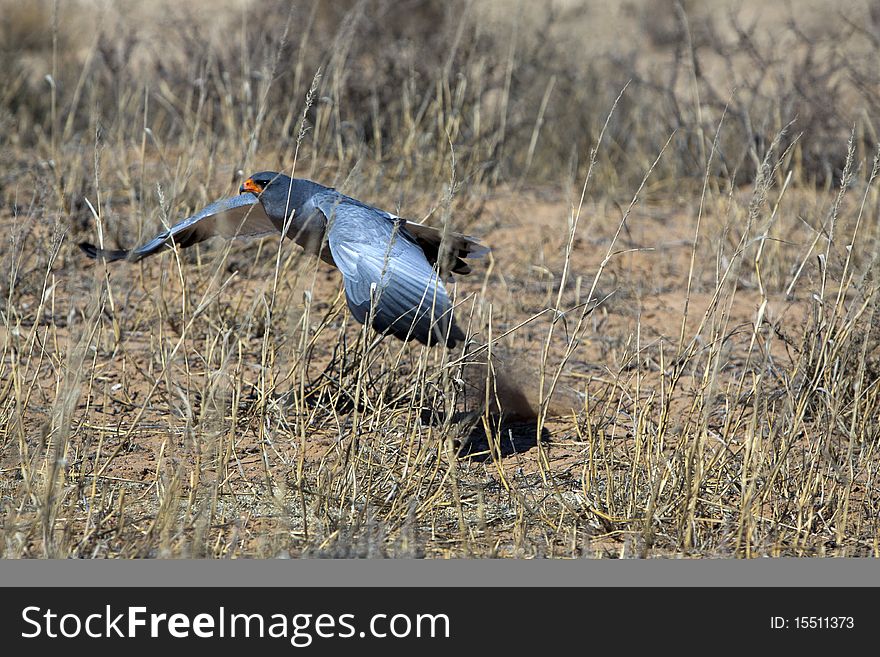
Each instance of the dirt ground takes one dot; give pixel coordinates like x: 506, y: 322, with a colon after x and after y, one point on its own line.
x: 674, y: 342
x: 140, y: 423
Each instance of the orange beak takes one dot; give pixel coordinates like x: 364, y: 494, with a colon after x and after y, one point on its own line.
x: 250, y: 186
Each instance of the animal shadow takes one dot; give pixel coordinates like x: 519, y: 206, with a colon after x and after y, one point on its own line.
x: 509, y: 437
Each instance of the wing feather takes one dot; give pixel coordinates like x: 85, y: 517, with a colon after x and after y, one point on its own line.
x: 385, y: 272
x: 238, y: 216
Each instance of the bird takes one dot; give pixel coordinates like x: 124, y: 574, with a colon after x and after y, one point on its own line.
x: 393, y: 270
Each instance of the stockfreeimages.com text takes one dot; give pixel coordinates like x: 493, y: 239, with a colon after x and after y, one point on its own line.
x: 300, y: 629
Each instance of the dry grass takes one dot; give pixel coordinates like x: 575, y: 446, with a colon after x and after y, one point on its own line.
x: 679, y: 312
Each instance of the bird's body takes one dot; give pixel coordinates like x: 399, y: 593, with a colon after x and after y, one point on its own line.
x: 393, y: 269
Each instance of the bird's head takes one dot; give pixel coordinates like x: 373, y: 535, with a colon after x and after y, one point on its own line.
x: 258, y: 182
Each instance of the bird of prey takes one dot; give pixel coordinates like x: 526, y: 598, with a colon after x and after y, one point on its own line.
x: 393, y: 269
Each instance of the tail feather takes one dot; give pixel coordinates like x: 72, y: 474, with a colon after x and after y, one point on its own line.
x: 446, y: 248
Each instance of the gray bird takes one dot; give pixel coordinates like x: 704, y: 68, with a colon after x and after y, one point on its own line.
x: 389, y: 264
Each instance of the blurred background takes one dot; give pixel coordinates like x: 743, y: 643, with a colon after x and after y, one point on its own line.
x: 518, y: 90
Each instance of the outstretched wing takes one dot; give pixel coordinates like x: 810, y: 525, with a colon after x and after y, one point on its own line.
x: 386, y: 273
x: 444, y: 248
x: 238, y: 216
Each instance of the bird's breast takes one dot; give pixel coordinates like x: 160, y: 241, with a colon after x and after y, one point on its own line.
x: 308, y: 231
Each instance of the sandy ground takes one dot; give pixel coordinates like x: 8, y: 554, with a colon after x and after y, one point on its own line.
x: 141, y: 428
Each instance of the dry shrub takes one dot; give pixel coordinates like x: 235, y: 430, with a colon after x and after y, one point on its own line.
x: 714, y: 380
